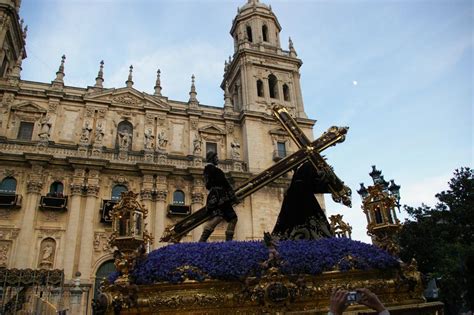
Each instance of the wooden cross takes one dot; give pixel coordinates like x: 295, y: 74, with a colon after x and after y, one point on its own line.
x: 308, y: 151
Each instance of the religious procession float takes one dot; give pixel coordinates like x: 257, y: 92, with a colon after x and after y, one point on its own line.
x: 273, y: 276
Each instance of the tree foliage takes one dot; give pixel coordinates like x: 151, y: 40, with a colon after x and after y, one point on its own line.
x: 441, y: 239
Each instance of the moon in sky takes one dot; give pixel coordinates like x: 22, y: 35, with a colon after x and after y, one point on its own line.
x: 354, y: 82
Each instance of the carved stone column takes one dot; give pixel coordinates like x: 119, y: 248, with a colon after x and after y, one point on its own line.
x: 23, y: 258
x: 197, y: 202
x: 160, y: 209
x: 73, y: 223
x: 87, y: 233
x: 146, y: 199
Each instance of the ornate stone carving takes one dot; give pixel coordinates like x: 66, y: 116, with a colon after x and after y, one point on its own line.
x: 9, y: 233
x: 229, y: 127
x: 101, y: 242
x: 235, y: 149
x: 76, y: 189
x: 194, y: 124
x: 149, y: 143
x: 101, y: 112
x: 119, y: 179
x: 86, y: 133
x: 92, y: 190
x: 149, y: 118
x: 90, y: 112
x: 197, y: 144
x: 161, y: 195
x: 145, y: 194
x: 53, y: 233
x: 126, y: 99
x: 197, y: 197
x: 34, y: 186
x: 4, y: 253
x: 162, y: 139
x: 47, y: 252
x: 161, y: 120
x: 9, y: 172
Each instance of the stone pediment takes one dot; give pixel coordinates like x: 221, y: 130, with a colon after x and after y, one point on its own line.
x: 127, y: 97
x: 28, y: 107
x: 211, y: 129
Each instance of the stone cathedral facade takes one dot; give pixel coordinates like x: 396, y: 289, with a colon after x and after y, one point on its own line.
x: 67, y: 153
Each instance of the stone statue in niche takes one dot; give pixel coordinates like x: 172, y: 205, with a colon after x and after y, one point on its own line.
x: 99, y: 132
x: 125, y: 137
x: 45, y: 128
x: 47, y: 251
x: 86, y: 132
x: 235, y: 150
x: 149, y: 139
x: 162, y: 140
x: 197, y: 144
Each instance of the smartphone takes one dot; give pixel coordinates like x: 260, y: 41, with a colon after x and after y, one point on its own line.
x: 353, y: 296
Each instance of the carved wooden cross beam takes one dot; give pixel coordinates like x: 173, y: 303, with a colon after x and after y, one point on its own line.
x: 308, y: 151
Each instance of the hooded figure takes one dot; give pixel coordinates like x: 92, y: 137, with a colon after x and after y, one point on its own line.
x: 301, y: 216
x: 219, y: 200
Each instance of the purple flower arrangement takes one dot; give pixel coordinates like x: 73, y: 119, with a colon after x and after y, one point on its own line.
x: 237, y: 260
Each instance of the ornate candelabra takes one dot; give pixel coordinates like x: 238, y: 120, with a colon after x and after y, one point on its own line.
x: 379, y: 202
x: 129, y: 234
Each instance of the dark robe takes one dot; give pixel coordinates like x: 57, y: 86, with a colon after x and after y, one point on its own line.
x: 301, y: 216
x: 221, y: 194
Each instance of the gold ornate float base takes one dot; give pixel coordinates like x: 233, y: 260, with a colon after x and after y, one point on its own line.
x: 272, y: 294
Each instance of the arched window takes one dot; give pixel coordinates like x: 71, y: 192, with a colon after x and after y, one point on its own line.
x: 265, y: 33
x: 117, y: 191
x: 273, y: 86
x: 102, y: 273
x: 260, y: 88
x: 286, y: 93
x: 178, y: 197
x: 8, y: 186
x: 124, y: 135
x: 56, y: 189
x: 249, y: 34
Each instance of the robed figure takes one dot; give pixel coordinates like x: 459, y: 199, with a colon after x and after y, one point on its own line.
x: 301, y: 216
x: 219, y: 200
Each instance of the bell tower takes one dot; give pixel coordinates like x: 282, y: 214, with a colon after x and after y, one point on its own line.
x: 261, y: 72
x: 12, y: 38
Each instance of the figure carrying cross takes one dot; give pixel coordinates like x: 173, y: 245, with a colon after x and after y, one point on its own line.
x: 308, y: 153
x: 219, y: 200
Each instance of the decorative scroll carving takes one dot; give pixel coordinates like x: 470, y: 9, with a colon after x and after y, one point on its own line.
x: 90, y: 112
x: 119, y: 179
x: 161, y: 195
x: 9, y: 233
x: 126, y: 99
x: 76, y: 189
x: 34, y: 186
x: 4, y: 253
x: 101, y: 242
x: 92, y: 190
x: 146, y: 194
x: 101, y: 112
x: 197, y: 197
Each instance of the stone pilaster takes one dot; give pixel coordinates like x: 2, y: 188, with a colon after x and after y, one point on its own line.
x: 23, y: 258
x: 146, y: 197
x: 160, y: 209
x: 197, y: 202
x: 73, y: 223
x: 87, y: 233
